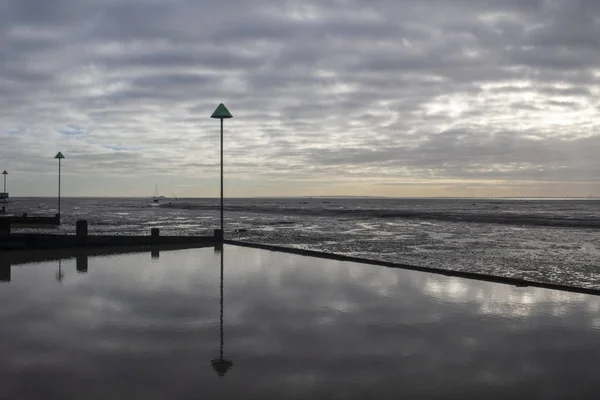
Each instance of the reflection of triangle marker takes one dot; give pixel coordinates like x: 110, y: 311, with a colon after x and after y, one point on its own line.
x: 221, y: 365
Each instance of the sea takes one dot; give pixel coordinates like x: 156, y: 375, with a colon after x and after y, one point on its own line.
x: 545, y: 240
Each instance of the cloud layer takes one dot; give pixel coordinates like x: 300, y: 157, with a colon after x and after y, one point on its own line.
x: 339, y: 97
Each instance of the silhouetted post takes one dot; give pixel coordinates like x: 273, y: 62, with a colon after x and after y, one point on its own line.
x: 221, y: 365
x: 221, y: 113
x: 155, y: 254
x: 81, y: 227
x: 81, y: 230
x: 154, y: 232
x: 4, y: 226
x: 59, y: 156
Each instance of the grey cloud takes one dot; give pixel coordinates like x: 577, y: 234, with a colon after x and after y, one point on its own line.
x: 376, y: 86
x: 456, y: 154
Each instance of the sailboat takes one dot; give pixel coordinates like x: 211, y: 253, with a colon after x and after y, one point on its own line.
x: 155, y: 197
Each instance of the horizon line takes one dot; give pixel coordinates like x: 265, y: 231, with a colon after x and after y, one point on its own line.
x: 319, y: 197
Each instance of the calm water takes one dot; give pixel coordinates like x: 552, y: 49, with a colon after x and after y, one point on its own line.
x: 541, y: 240
x: 148, y: 326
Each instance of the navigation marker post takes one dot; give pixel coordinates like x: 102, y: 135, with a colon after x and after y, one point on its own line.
x: 4, y: 195
x: 221, y: 113
x: 59, y: 156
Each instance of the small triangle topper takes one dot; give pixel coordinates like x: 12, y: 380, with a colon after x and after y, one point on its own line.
x: 59, y: 155
x: 221, y: 112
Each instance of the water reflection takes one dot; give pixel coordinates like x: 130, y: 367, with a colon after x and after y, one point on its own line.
x: 60, y: 274
x: 298, y: 327
x: 5, y: 270
x: 82, y: 263
x: 221, y: 365
x: 10, y: 259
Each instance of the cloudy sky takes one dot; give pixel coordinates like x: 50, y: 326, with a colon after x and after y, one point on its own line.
x: 329, y: 97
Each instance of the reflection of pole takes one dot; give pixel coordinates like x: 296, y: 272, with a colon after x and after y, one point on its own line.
x: 221, y: 353
x: 59, y: 275
x: 221, y: 365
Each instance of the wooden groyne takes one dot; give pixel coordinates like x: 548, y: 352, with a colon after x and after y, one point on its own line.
x: 25, y: 221
x: 44, y: 241
x: 21, y: 241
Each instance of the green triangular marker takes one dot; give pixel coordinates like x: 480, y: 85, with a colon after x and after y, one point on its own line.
x: 59, y: 155
x: 221, y: 112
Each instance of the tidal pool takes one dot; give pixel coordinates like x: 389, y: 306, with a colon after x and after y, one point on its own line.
x: 164, y: 325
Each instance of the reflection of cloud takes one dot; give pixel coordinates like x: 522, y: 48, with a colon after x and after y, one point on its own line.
x: 488, y: 298
x: 323, y: 327
x: 505, y: 300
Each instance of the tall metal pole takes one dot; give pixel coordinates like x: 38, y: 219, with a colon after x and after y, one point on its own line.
x: 59, y: 156
x: 222, y: 231
x: 59, y: 189
x: 4, y: 201
x: 221, y: 112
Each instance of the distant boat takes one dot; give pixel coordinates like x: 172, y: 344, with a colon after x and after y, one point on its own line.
x: 156, y: 197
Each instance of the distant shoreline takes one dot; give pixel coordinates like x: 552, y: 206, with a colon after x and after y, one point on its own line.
x: 314, y: 198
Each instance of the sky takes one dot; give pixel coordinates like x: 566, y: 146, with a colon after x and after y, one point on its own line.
x: 340, y: 97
